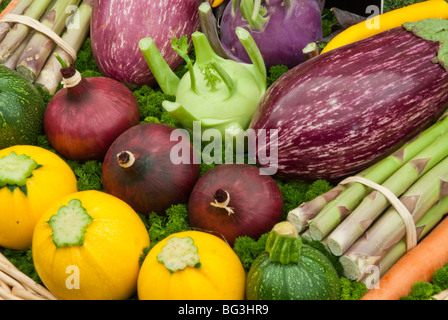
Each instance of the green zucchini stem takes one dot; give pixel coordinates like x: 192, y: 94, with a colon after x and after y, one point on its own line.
x: 283, y: 244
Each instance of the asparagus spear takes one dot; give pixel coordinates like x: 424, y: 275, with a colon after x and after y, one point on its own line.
x: 11, y: 63
x: 18, y: 9
x: 50, y: 76
x: 306, y: 235
x: 384, y: 234
x: 371, y: 207
x: 303, y: 214
x: 40, y: 46
x: 424, y: 226
x: 443, y: 295
x: 19, y: 32
x: 335, y: 212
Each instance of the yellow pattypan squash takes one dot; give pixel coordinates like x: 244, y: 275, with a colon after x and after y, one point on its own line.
x: 31, y: 179
x: 191, y: 265
x: 87, y: 246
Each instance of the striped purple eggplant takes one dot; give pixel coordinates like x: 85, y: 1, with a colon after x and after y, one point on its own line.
x: 118, y: 25
x: 342, y: 111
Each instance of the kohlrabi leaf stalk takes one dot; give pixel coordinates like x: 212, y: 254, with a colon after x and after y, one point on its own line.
x: 253, y: 12
x: 181, y: 46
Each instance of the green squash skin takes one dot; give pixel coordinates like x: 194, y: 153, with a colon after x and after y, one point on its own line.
x: 22, y: 110
x: 312, y: 278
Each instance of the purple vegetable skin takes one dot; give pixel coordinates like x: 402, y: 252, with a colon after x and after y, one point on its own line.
x: 344, y: 110
x: 118, y: 26
x: 280, y: 35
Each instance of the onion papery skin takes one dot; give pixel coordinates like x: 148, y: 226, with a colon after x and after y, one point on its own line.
x: 82, y: 122
x: 255, y: 199
x: 153, y: 183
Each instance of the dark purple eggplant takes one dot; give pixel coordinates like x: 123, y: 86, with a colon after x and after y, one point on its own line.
x: 340, y: 112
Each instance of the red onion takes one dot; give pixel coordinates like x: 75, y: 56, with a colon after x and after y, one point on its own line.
x: 139, y: 170
x: 84, y: 118
x: 235, y: 200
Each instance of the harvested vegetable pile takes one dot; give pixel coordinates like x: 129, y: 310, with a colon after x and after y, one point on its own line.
x: 89, y: 173
x: 174, y: 228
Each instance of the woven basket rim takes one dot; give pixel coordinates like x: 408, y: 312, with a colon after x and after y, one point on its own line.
x: 15, y: 285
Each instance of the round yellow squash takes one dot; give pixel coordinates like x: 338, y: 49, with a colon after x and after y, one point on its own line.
x: 31, y: 179
x: 87, y: 246
x: 191, y: 265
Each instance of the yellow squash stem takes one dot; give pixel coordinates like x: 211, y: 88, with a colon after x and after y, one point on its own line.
x: 423, y: 10
x: 178, y: 254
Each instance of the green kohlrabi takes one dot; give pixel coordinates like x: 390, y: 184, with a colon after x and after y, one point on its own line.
x: 220, y: 93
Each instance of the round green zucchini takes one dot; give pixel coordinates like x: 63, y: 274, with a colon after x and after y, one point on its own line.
x: 21, y: 110
x: 290, y: 270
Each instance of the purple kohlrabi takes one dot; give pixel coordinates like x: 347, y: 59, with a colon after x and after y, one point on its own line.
x: 281, y: 28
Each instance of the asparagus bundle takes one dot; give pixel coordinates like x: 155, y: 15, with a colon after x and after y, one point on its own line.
x: 11, y: 62
x: 16, y: 35
x: 371, y: 207
x: 424, y: 226
x: 50, y: 77
x: 323, y: 221
x: 301, y: 216
x: 40, y: 46
x: 18, y: 9
x: 384, y: 234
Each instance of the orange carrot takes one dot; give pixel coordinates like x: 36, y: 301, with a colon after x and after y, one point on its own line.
x: 9, y: 8
x: 419, y: 264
